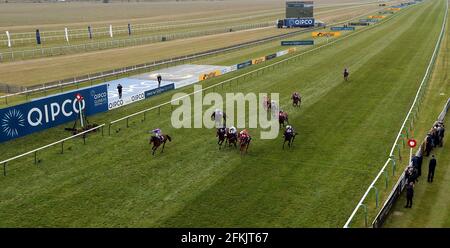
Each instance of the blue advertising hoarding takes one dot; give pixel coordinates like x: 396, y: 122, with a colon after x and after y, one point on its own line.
x: 297, y: 42
x: 38, y: 115
x: 245, y: 64
x: 342, y: 28
x: 299, y: 22
x: 152, y: 92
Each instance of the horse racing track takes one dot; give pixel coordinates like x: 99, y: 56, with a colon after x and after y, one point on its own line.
x: 345, y: 130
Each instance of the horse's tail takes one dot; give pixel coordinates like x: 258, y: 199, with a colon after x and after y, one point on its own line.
x: 168, y: 137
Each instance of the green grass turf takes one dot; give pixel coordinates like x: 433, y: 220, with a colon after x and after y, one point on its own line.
x: 431, y: 201
x: 346, y: 130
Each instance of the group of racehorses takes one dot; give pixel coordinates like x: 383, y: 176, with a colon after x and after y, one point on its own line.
x: 232, y: 138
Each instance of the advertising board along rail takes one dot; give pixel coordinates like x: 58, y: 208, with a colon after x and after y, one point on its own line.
x: 126, y: 118
x: 403, y: 126
x: 5, y: 162
x: 124, y: 70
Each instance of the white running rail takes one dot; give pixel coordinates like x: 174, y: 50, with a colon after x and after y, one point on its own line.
x: 425, y: 77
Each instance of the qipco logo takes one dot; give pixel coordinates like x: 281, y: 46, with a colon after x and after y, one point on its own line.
x: 138, y: 97
x: 303, y: 22
x: 99, y: 95
x: 115, y: 104
x: 49, y: 112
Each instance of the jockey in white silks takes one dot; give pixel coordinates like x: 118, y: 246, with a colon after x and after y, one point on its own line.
x: 158, y: 133
x: 219, y: 116
x: 232, y: 130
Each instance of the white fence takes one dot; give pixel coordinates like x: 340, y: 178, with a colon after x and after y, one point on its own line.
x: 35, y: 151
x: 417, y: 98
x: 115, y: 43
x: 401, y: 183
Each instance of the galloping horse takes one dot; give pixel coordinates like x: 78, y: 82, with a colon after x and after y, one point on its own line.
x: 157, y: 142
x: 222, y: 135
x: 231, y: 138
x: 296, y: 100
x: 289, y: 137
x: 282, y: 118
x: 244, y: 143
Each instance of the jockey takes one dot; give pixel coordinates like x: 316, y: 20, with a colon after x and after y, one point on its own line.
x: 218, y: 115
x: 289, y: 129
x: 158, y: 133
x: 222, y: 129
x: 232, y: 131
x: 244, y: 134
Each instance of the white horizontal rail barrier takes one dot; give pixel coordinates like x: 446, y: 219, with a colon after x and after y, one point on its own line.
x: 4, y: 162
x: 425, y: 78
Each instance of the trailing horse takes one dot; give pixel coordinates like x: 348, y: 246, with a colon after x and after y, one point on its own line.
x: 244, y: 143
x: 157, y: 142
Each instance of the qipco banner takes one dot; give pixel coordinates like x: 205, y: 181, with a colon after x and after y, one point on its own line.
x: 34, y: 116
x: 299, y: 22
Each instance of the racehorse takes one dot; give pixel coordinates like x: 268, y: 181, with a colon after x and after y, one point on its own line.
x: 222, y: 135
x: 296, y: 100
x: 231, y: 139
x: 289, y: 137
x: 282, y: 118
x: 157, y: 142
x: 244, y: 143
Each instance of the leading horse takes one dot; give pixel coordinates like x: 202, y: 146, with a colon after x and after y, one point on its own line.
x: 158, y: 141
x: 296, y: 100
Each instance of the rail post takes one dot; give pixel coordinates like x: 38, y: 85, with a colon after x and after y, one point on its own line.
x: 386, y: 178
x: 4, y: 169
x: 35, y: 157
x: 127, y: 121
x: 62, y: 147
x: 376, y: 196
x: 393, y: 165
x: 109, y: 129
